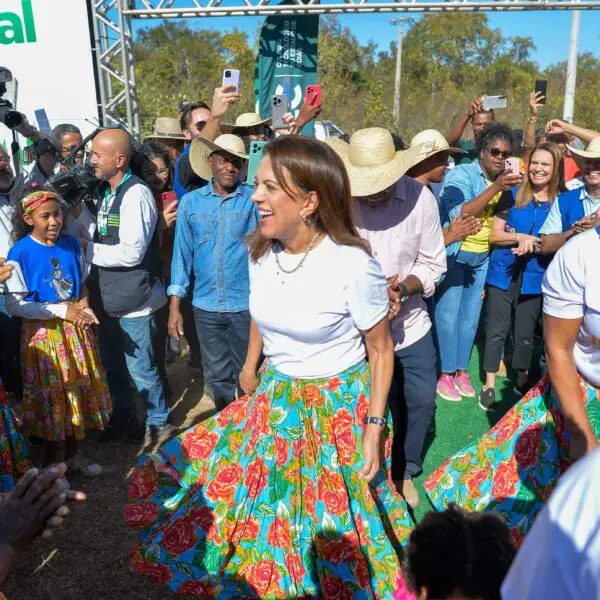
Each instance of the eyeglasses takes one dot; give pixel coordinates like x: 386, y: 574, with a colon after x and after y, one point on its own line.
x: 496, y: 152
x: 161, y: 173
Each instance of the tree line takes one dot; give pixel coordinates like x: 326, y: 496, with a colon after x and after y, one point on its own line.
x: 447, y: 60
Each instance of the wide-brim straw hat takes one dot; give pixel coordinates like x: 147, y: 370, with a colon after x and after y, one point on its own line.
x: 372, y: 163
x: 245, y: 121
x: 167, y: 128
x: 430, y: 142
x: 201, y: 149
x: 592, y: 150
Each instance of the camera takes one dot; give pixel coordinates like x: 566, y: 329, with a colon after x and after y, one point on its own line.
x: 10, y: 117
x: 76, y: 184
x: 227, y: 73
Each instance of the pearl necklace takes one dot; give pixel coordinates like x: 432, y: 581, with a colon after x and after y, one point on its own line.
x: 312, y: 244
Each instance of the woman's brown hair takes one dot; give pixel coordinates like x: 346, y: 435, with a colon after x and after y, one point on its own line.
x: 312, y: 167
x: 525, y: 193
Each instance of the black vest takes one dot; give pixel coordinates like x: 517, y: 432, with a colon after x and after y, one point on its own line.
x: 125, y: 289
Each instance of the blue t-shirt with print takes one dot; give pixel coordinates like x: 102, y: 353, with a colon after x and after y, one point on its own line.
x: 51, y: 273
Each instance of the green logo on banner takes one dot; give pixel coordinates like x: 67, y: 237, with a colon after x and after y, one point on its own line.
x: 17, y: 29
x: 286, y: 61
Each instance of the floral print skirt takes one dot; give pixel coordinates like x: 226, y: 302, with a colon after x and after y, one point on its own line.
x: 515, y: 466
x: 13, y: 448
x: 64, y: 385
x: 264, y: 499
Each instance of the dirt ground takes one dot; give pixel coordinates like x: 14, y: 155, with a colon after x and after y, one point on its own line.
x: 87, y: 558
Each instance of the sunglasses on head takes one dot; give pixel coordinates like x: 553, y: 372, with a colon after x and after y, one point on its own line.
x: 496, y: 152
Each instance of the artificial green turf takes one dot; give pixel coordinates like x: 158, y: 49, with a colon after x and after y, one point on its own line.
x: 458, y: 423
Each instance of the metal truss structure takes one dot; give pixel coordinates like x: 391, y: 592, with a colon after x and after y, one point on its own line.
x: 111, y: 21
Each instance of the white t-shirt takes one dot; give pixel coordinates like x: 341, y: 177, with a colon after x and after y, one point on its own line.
x: 572, y: 290
x: 311, y: 320
x: 560, y: 557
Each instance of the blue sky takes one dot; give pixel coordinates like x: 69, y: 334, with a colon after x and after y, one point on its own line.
x: 550, y: 30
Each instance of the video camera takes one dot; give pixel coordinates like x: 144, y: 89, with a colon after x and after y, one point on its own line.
x: 78, y: 182
x: 10, y: 117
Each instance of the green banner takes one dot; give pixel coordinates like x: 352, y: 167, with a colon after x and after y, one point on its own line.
x: 286, y: 62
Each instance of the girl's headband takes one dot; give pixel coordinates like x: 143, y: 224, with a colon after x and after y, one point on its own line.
x: 35, y: 199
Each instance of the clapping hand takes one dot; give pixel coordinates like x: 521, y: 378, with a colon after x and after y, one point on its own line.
x: 5, y: 271
x: 528, y: 244
x: 586, y: 223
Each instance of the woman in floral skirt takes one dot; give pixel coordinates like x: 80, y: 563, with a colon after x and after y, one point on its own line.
x: 514, y: 467
x: 14, y: 462
x: 283, y: 494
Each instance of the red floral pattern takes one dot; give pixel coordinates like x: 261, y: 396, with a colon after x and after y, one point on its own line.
x: 247, y: 501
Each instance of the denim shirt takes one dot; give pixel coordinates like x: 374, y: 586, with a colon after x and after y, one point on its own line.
x: 211, y: 235
x: 461, y: 184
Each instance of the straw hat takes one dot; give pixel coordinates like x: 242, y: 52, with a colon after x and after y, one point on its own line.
x: 201, y: 149
x: 429, y: 142
x: 371, y: 160
x: 592, y: 150
x: 245, y: 121
x: 167, y: 128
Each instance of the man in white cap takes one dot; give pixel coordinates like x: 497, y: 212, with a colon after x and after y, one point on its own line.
x: 429, y: 166
x: 400, y: 219
x: 578, y: 210
x: 212, y: 225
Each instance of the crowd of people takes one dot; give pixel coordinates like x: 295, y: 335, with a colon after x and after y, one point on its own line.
x: 332, y: 298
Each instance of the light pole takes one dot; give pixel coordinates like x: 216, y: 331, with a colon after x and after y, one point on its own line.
x: 572, y: 68
x: 400, y: 23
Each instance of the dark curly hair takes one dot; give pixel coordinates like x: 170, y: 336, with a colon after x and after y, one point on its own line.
x: 20, y: 229
x: 146, y: 153
x: 493, y: 132
x: 458, y: 552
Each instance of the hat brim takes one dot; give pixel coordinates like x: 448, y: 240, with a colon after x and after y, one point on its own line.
x: 583, y: 154
x: 166, y: 136
x: 200, y: 151
x: 420, y: 158
x: 366, y: 181
x: 227, y: 128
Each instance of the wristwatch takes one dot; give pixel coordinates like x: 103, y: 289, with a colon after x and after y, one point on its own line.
x: 376, y: 421
x: 404, y: 294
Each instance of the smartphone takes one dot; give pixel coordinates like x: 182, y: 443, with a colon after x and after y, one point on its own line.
x: 231, y: 77
x: 493, y: 102
x: 541, y: 86
x: 279, y: 108
x: 312, y: 95
x: 512, y: 166
x: 167, y: 198
x: 256, y: 154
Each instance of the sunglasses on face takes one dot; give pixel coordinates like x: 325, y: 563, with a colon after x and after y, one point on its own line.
x: 496, y: 152
x: 200, y: 125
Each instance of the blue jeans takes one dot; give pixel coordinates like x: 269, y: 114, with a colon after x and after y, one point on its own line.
x: 223, y: 341
x: 458, y: 303
x: 127, y: 349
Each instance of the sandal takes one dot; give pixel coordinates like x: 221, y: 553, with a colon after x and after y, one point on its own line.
x: 83, y: 465
x: 487, y: 398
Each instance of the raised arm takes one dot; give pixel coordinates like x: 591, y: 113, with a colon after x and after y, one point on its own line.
x: 535, y: 99
x: 223, y: 99
x: 456, y: 133
x: 558, y: 126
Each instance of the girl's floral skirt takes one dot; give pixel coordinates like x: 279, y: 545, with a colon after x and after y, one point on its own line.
x: 64, y: 385
x: 13, y: 449
x: 264, y: 499
x: 515, y: 466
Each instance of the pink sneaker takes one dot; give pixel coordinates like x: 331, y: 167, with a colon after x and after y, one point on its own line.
x: 463, y: 384
x: 446, y: 388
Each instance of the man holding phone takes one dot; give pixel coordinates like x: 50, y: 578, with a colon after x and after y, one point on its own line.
x: 578, y: 210
x: 213, y: 223
x: 197, y: 120
x: 479, y: 118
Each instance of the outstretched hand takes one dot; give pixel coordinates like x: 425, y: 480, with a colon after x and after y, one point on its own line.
x: 37, y: 505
